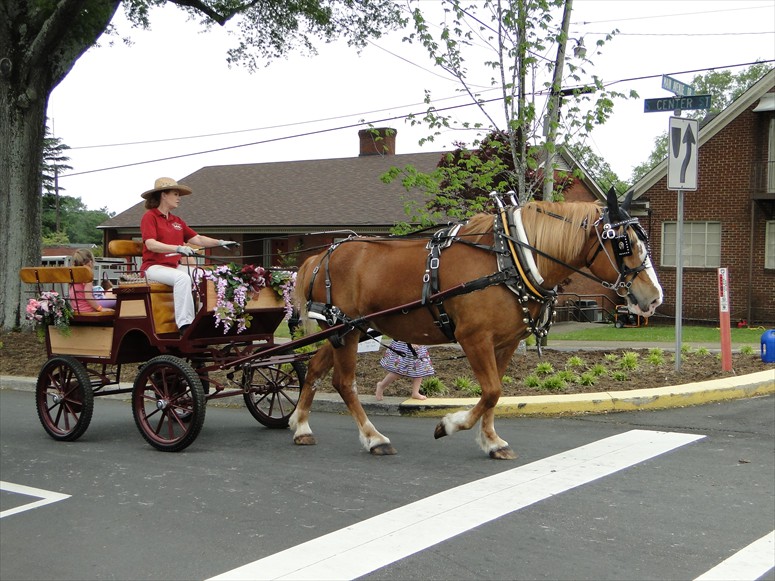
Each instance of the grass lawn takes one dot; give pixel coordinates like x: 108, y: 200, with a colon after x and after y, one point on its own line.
x: 658, y: 333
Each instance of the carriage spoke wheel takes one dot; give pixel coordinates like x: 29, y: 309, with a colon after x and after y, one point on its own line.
x: 272, y: 392
x: 168, y: 403
x: 64, y: 398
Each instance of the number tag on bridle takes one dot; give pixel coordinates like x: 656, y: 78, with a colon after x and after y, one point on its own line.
x: 623, y: 246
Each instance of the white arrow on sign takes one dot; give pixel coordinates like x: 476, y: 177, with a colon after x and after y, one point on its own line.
x: 683, y: 154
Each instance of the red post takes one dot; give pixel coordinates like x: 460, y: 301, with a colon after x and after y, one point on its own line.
x: 723, y: 310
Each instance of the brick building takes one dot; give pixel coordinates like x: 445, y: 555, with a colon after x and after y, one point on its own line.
x: 729, y: 221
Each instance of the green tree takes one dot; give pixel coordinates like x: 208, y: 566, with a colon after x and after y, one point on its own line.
x: 511, y: 37
x: 54, y: 164
x: 40, y: 42
x: 723, y: 87
x: 598, y: 168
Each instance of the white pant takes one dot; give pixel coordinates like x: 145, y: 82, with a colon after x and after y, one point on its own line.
x: 180, y: 281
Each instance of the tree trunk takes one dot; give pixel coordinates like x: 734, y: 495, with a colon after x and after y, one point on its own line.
x: 39, y: 44
x: 21, y: 151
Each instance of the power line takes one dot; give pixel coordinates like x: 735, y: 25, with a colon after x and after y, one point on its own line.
x: 375, y: 121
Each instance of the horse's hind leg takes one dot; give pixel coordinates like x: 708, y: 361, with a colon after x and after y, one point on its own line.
x: 318, y: 367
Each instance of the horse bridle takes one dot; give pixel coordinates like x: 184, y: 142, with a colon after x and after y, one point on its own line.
x: 622, y: 248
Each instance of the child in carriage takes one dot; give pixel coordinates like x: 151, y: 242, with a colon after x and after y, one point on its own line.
x: 82, y: 294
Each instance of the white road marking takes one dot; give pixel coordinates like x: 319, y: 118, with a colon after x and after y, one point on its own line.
x: 381, y: 540
x: 749, y: 563
x: 46, y: 497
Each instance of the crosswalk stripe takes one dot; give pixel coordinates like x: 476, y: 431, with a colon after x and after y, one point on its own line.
x: 748, y: 564
x: 383, y: 539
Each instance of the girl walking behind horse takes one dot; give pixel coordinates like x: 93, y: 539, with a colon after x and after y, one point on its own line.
x: 401, y: 360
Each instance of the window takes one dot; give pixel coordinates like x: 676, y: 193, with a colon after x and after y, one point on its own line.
x: 769, y: 245
x: 701, y: 244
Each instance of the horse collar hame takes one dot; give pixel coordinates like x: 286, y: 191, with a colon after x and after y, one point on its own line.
x: 526, y: 280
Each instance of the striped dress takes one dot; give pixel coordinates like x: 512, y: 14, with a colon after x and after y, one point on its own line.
x: 406, y: 364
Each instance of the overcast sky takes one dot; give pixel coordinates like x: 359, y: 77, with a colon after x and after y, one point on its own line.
x: 168, y: 103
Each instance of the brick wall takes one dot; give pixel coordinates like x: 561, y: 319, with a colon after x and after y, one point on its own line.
x: 724, y: 195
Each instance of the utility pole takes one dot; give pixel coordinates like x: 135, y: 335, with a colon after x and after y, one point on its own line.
x: 553, y: 114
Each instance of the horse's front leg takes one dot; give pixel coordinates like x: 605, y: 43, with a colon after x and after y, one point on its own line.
x: 344, y: 382
x: 318, y: 367
x: 488, y: 369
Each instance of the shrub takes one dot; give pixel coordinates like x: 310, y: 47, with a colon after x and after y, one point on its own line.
x: 619, y: 376
x: 507, y: 380
x: 598, y: 369
x: 746, y: 350
x: 568, y: 376
x: 574, y: 362
x: 553, y: 382
x: 656, y: 357
x: 467, y: 386
x: 703, y: 351
x: 531, y: 380
x: 544, y: 368
x: 433, y: 386
x: 629, y: 361
x: 588, y: 378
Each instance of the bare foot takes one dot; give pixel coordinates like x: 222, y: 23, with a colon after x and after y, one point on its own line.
x: 378, y: 393
x: 417, y: 396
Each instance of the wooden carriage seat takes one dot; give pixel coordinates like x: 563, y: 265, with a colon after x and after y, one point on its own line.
x: 62, y: 276
x: 162, y: 304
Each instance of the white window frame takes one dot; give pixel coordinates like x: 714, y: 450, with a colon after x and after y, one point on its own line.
x: 769, y: 245
x: 701, y: 244
x: 771, y: 158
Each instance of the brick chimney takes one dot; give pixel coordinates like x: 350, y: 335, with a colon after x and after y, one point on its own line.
x: 377, y: 141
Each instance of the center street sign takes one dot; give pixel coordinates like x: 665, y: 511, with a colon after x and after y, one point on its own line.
x: 669, y: 104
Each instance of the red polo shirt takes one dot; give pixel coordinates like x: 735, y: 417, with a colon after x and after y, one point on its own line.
x: 166, y: 229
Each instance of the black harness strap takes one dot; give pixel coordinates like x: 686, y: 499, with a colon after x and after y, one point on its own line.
x: 441, y: 239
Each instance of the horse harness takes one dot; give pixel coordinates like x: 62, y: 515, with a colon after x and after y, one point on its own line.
x: 516, y: 270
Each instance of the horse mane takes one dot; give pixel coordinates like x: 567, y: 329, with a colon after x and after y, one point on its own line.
x: 562, y: 237
x: 478, y: 225
x: 558, y: 228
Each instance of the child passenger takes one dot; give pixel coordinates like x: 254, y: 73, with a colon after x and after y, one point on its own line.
x: 82, y: 298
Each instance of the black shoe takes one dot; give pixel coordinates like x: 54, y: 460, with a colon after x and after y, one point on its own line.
x: 183, y: 329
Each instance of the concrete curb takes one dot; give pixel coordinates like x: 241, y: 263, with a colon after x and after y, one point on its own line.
x: 744, y: 386
x: 728, y: 388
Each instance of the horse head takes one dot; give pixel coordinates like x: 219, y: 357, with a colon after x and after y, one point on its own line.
x: 622, y: 258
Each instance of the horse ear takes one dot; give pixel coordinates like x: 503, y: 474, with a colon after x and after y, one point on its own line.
x: 627, y: 201
x: 613, y: 205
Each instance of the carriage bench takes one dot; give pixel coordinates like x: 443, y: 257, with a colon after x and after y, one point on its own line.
x: 133, y: 305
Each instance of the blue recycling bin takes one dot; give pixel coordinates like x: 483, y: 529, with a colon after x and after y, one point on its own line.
x: 768, y: 346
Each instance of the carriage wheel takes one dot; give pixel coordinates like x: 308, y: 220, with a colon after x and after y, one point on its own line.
x: 64, y: 398
x: 619, y: 324
x: 273, y: 392
x: 168, y: 403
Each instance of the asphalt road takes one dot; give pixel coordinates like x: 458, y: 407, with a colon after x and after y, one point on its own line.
x: 592, y: 497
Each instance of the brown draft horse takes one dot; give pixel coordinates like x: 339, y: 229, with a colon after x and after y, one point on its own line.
x: 363, y: 276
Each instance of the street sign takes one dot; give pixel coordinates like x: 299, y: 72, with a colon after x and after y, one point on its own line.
x: 676, y: 86
x: 683, y: 135
x: 669, y: 104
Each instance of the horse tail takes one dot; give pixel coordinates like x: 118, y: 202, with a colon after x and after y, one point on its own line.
x: 301, y: 288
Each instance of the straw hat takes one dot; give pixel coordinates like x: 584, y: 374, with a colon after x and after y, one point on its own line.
x: 162, y: 184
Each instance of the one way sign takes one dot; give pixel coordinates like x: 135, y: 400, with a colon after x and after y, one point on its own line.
x: 682, y: 156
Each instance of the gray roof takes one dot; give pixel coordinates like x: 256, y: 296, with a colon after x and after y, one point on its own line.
x: 295, y: 194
